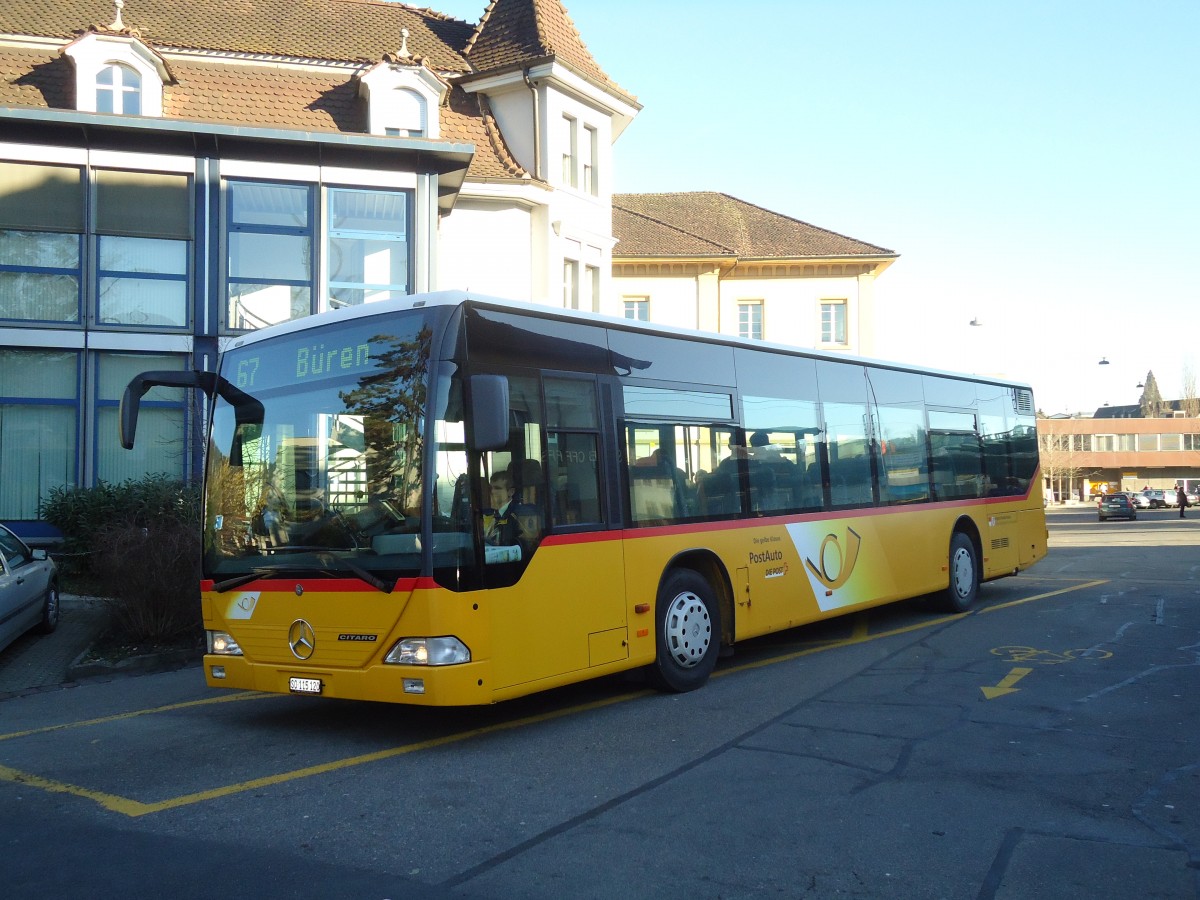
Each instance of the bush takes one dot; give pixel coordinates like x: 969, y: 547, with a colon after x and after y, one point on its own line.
x: 153, y: 578
x: 138, y: 545
x: 82, y: 514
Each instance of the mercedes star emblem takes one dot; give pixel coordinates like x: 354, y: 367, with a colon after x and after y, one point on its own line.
x: 302, y: 639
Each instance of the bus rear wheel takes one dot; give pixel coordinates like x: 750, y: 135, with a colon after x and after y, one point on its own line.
x: 687, y: 632
x: 964, y: 575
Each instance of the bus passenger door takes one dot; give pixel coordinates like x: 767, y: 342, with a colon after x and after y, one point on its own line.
x: 567, y: 609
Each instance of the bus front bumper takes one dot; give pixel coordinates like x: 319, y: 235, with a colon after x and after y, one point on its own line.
x: 465, y: 684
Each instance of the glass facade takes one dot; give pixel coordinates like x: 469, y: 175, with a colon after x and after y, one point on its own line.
x: 39, y: 426
x: 94, y: 249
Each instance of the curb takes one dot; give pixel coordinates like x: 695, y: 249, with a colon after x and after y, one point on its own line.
x: 161, y: 661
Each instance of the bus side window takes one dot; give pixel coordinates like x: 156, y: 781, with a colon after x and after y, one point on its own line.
x: 574, y: 478
x: 572, y: 457
x: 660, y: 490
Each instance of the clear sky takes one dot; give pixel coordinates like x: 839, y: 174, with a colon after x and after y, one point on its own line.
x: 1035, y: 164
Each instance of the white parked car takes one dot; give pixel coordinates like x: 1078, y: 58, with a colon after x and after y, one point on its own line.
x: 28, y: 589
x: 1155, y: 499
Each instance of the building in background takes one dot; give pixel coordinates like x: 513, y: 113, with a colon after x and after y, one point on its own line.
x: 710, y: 261
x: 1125, y: 454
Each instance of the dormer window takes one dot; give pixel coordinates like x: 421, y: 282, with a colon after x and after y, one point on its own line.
x: 402, y: 99
x: 119, y: 90
x: 407, y: 113
x: 117, y: 73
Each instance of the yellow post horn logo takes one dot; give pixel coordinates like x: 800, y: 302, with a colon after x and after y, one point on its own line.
x: 845, y: 561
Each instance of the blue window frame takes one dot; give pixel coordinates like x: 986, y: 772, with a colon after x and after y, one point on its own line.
x: 143, y: 282
x: 270, y: 238
x: 368, y: 245
x: 40, y: 277
x: 39, y: 426
x: 41, y: 243
x: 162, y: 422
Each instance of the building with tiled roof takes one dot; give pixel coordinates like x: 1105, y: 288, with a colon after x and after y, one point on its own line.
x: 174, y: 174
x: 706, y: 260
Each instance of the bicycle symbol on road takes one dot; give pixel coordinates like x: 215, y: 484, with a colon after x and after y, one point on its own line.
x: 1049, y: 657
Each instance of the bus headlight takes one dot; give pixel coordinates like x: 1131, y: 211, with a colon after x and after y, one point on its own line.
x: 222, y: 644
x: 435, y: 651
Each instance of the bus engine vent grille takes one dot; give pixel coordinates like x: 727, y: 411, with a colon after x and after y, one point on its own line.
x: 1024, y: 400
x: 1000, y: 544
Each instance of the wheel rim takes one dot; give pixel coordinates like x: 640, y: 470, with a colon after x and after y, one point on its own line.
x: 687, y: 630
x: 962, y: 572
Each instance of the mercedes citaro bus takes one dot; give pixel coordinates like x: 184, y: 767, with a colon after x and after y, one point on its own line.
x: 449, y: 499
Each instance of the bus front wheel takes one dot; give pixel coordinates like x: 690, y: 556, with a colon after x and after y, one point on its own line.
x: 688, y: 632
x: 964, y: 575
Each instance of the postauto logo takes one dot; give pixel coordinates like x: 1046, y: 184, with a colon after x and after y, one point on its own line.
x: 829, y: 562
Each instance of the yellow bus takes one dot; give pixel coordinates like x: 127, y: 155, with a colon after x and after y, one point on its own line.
x: 448, y: 499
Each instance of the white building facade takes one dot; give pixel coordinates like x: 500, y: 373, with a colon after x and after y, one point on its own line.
x: 169, y: 182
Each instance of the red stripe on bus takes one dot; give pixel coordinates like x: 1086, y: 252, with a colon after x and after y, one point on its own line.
x: 322, y: 585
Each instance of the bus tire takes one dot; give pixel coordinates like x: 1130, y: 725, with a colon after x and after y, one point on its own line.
x: 687, y: 632
x: 960, y: 594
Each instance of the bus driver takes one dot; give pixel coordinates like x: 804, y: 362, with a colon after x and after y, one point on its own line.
x: 500, y: 526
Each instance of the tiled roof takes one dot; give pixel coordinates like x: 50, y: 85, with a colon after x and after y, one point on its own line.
x: 515, y: 32
x: 639, y: 235
x: 35, y: 77
x: 466, y: 119
x: 248, y: 91
x: 211, y: 91
x: 342, y: 30
x: 682, y: 224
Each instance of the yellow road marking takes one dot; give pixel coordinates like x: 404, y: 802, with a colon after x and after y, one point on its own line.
x: 134, y: 808
x: 1066, y: 590
x: 246, y: 695
x: 855, y: 638
x: 1005, y: 686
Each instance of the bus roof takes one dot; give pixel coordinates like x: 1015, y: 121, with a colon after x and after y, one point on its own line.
x: 454, y: 298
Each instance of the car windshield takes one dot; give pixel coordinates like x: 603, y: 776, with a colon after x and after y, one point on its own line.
x: 329, y: 481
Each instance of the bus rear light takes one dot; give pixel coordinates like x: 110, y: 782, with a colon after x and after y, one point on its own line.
x: 222, y: 644
x: 437, y: 651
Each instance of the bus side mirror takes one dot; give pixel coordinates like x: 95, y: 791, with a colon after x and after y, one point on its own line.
x: 136, y: 389
x: 489, y: 412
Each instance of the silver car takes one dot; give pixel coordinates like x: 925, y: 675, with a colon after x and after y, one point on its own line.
x: 1154, y: 499
x: 28, y: 589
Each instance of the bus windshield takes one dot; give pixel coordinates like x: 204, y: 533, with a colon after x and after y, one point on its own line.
x: 329, y: 482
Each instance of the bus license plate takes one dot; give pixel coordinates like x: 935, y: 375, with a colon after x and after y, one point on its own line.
x: 304, y: 685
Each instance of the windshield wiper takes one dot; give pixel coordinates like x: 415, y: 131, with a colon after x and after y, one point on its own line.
x: 369, y: 577
x: 298, y: 571
x: 237, y: 581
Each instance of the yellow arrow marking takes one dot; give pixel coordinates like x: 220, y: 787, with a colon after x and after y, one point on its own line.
x: 1006, y: 684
